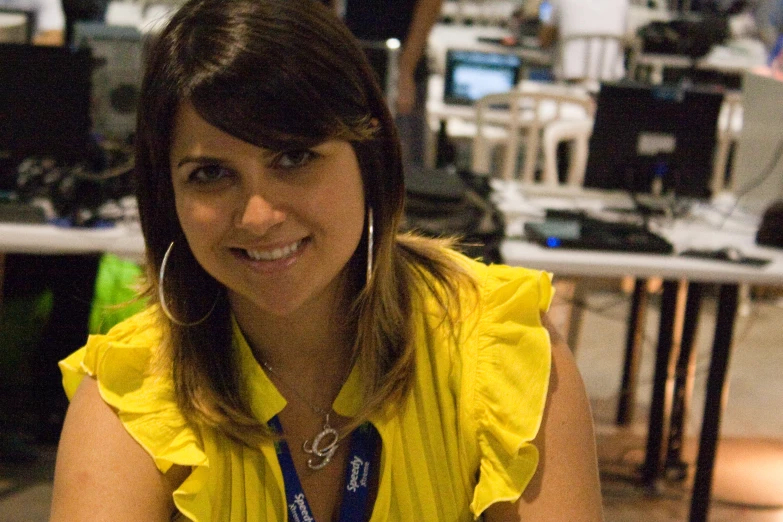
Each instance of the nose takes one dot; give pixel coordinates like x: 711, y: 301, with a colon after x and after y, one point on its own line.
x: 259, y: 215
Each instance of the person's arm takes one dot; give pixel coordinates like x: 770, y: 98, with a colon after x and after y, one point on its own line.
x: 566, y: 485
x: 53, y: 37
x: 50, y: 20
x: 547, y: 35
x: 425, y: 14
x: 102, y: 473
x: 547, y: 32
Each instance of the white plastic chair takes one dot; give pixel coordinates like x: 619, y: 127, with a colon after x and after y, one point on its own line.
x: 575, y: 132
x: 537, y: 118
x: 729, y: 129
x: 593, y: 58
x: 526, y: 117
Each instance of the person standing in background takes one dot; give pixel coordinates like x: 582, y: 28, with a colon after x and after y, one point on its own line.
x: 563, y: 18
x: 409, y: 21
x: 49, y: 19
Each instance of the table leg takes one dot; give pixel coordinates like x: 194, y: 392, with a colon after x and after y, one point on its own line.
x: 2, y: 277
x: 714, y: 401
x: 669, y: 332
x: 683, y: 386
x: 633, y: 348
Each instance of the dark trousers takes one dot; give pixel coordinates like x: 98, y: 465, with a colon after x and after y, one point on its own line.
x: 71, y: 280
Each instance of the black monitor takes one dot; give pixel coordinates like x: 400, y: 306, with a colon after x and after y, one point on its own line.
x: 16, y: 25
x: 44, y: 105
x: 648, y: 137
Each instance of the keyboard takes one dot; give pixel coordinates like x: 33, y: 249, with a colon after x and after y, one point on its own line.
x: 24, y: 213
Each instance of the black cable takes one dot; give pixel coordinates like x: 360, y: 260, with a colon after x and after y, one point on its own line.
x: 752, y: 184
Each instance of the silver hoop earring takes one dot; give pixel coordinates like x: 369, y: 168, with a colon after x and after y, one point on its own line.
x: 370, y: 240
x: 162, y: 296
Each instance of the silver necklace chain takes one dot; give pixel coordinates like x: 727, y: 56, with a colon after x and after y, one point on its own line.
x: 324, y: 443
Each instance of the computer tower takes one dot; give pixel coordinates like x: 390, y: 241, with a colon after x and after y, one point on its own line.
x: 116, y: 79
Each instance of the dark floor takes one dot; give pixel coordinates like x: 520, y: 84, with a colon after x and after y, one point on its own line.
x: 748, y: 484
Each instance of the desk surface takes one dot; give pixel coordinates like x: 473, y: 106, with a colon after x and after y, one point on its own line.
x: 122, y: 240
x: 702, y: 231
x: 614, y: 264
x: 707, y: 228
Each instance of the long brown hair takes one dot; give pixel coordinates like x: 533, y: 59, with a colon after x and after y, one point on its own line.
x: 277, y: 74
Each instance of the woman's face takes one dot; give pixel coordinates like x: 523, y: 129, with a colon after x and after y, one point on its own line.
x: 276, y: 228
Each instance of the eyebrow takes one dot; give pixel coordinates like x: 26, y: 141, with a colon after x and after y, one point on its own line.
x: 198, y: 159
x: 214, y: 159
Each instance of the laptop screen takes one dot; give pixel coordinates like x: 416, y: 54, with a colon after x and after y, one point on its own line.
x: 473, y: 74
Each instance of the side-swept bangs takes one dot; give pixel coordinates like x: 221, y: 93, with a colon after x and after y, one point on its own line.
x: 256, y: 81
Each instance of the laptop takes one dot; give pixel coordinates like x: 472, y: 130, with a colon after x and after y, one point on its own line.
x: 471, y: 75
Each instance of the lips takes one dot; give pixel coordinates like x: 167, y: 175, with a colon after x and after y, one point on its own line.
x: 274, y: 254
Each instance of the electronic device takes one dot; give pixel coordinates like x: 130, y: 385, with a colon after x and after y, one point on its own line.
x: 728, y: 254
x: 770, y: 231
x: 16, y: 25
x: 757, y: 170
x: 116, y: 79
x: 44, y: 106
x: 473, y: 74
x: 654, y: 139
x: 586, y: 233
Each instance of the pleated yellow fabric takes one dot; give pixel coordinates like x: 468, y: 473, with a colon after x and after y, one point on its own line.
x: 460, y: 442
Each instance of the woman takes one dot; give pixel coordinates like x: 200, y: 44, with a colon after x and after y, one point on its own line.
x: 299, y: 358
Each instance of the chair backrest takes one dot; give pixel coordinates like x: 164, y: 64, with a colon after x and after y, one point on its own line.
x: 511, y: 117
x: 593, y: 57
x: 729, y: 129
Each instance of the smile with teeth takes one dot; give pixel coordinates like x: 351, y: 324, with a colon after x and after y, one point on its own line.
x: 275, y: 253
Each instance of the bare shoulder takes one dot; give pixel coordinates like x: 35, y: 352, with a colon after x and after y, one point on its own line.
x: 102, y: 473
x: 566, y: 485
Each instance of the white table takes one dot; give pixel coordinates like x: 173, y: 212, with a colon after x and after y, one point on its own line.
x: 678, y: 310
x: 734, y: 58
x: 123, y: 240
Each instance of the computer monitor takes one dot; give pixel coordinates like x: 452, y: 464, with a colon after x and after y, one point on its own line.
x: 44, y: 105
x: 16, y: 25
x: 473, y: 74
x: 649, y: 138
x: 116, y: 77
x: 757, y: 171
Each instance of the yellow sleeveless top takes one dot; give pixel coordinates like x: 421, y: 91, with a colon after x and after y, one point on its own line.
x: 460, y: 442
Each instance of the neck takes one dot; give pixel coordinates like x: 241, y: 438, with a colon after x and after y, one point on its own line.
x: 313, y: 349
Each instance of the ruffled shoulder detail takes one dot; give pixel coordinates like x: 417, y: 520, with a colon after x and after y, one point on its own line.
x: 123, y: 361
x: 510, y: 371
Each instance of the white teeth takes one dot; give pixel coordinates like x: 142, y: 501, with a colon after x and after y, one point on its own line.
x: 274, y: 254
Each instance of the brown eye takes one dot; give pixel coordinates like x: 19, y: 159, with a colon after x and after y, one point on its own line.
x: 208, y: 174
x: 292, y: 159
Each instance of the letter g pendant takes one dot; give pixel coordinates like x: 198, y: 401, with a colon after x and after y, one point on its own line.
x: 324, y: 446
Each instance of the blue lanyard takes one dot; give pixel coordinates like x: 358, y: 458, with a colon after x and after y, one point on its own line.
x: 356, y: 490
